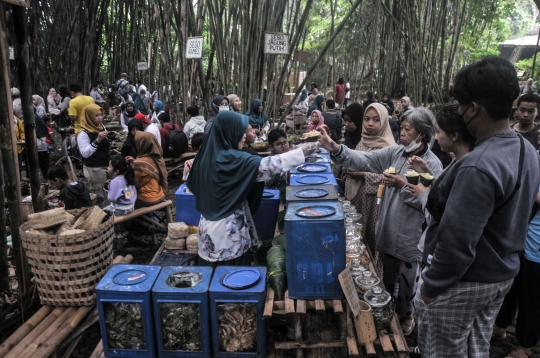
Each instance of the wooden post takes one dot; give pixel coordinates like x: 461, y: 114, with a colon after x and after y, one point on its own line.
x: 11, y: 169
x: 274, y: 119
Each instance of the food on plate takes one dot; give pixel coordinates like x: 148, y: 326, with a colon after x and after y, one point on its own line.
x: 412, y: 177
x: 391, y: 170
x: 426, y: 179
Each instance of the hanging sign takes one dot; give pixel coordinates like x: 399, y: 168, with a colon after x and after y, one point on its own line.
x: 141, y: 66
x: 11, y: 53
x: 276, y: 43
x: 194, y: 47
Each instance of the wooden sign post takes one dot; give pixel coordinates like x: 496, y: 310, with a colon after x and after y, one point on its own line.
x: 276, y: 43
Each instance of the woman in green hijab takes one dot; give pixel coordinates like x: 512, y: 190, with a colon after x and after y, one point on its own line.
x: 221, y: 178
x: 257, y: 118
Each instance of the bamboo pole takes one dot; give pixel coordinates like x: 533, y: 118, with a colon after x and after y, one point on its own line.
x: 12, y: 176
x: 24, y: 330
x: 321, y: 55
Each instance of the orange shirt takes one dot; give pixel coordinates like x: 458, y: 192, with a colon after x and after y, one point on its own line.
x: 148, y: 189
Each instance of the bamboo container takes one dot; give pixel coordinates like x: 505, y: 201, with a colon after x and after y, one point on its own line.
x: 365, y: 324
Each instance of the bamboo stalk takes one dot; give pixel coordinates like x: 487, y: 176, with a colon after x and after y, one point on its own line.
x: 24, y: 330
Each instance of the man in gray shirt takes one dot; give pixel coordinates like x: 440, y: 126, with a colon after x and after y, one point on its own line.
x: 480, y: 207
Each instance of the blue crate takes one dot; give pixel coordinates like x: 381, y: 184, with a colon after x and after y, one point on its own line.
x: 266, y: 217
x: 327, y: 171
x: 331, y: 179
x: 315, y: 252
x: 249, y: 301
x: 165, y: 295
x: 185, y: 207
x: 290, y: 196
x: 128, y: 286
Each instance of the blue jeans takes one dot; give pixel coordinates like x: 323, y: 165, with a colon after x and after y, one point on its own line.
x: 117, y: 211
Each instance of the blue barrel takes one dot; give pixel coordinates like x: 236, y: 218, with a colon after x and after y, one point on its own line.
x: 313, y: 179
x: 315, y: 240
x: 324, y: 192
x: 237, y: 296
x: 125, y: 315
x: 182, y: 320
x: 185, y: 207
x: 266, y: 217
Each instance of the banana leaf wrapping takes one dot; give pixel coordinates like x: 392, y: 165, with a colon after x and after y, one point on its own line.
x: 277, y: 275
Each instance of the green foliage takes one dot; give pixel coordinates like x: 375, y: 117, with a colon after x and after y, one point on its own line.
x: 526, y: 66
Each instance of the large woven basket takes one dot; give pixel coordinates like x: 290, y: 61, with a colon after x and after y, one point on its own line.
x: 68, y: 268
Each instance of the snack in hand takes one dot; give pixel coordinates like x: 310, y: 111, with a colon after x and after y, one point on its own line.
x: 426, y: 179
x: 311, y: 136
x: 412, y: 177
x: 391, y: 170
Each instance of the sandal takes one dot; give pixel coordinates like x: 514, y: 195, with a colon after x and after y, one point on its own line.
x: 407, y: 325
x: 519, y: 352
x: 498, y: 333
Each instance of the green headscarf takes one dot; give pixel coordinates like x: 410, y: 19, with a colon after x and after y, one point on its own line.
x: 256, y: 119
x: 221, y: 176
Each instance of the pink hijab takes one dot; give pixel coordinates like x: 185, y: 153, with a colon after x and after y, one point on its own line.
x: 312, y: 126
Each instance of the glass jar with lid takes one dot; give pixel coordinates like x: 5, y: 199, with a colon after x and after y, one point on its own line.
x: 365, y: 282
x: 354, y: 216
x: 357, y: 268
x: 352, y: 251
x: 381, y: 306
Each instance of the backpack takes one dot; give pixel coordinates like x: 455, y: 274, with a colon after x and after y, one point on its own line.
x: 178, y: 141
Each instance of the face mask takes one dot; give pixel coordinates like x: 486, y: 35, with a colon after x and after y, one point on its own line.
x: 460, y: 116
x: 413, y: 145
x: 223, y: 108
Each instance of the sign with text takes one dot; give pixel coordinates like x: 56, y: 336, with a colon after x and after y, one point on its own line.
x: 347, y: 285
x: 194, y: 47
x: 141, y: 66
x: 276, y: 43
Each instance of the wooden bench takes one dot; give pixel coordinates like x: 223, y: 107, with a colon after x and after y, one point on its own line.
x: 145, y: 215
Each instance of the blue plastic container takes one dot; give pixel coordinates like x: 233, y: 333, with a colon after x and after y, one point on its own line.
x: 324, y: 192
x: 124, y: 299
x: 266, y: 217
x: 315, y: 249
x: 182, y: 320
x: 238, y: 328
x: 313, y: 179
x: 326, y: 166
x: 185, y: 207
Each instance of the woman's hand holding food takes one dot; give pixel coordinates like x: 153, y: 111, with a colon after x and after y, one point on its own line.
x: 416, y: 190
x: 393, y: 180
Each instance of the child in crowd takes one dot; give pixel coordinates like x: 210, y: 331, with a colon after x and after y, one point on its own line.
x: 73, y: 194
x: 196, y: 142
x: 122, y: 191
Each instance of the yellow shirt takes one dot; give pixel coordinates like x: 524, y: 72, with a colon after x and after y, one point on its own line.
x: 19, y: 134
x: 76, y: 107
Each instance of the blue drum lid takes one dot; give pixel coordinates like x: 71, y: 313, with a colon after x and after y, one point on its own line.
x: 130, y: 277
x: 313, y: 179
x: 267, y: 194
x: 313, y: 168
x: 241, y: 278
x: 311, y: 193
x: 315, y: 211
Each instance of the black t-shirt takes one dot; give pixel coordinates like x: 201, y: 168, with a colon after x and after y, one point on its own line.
x: 531, y: 136
x: 334, y: 122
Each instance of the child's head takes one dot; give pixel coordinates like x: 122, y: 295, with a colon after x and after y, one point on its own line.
x: 57, y: 176
x: 197, y: 140
x: 119, y: 166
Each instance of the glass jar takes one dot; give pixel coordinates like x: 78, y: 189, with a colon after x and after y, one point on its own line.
x: 365, y: 282
x: 357, y: 268
x: 346, y: 207
x: 354, y: 216
x: 381, y: 306
x: 352, y: 251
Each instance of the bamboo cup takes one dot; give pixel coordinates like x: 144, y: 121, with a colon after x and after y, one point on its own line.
x: 365, y: 324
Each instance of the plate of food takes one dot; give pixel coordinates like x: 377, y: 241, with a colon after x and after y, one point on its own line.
x: 391, y: 170
x: 315, y: 159
x: 260, y: 146
x: 311, y: 193
x: 412, y: 177
x: 426, y: 179
x: 312, y: 168
x: 315, y: 211
x: 311, y: 136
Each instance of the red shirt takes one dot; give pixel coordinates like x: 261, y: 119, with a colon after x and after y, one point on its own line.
x: 340, y: 89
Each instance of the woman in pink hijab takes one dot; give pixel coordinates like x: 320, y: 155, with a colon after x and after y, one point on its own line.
x: 317, y: 120
x: 53, y: 102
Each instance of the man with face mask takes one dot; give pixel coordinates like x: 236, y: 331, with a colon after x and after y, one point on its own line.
x: 480, y: 208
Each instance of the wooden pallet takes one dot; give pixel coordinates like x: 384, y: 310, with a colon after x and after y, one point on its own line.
x: 309, y: 330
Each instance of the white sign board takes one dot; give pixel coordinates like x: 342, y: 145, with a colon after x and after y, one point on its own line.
x: 276, y: 43
x: 141, y: 66
x: 194, y: 47
x: 11, y: 53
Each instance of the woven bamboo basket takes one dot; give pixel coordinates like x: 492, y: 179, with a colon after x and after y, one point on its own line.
x: 67, y: 268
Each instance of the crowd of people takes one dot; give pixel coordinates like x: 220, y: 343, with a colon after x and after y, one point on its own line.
x: 458, y: 256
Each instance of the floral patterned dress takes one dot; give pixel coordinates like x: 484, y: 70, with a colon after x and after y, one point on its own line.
x: 231, y: 237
